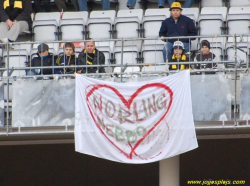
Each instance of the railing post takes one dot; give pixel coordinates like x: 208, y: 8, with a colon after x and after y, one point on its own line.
x: 122, y: 59
x: 8, y: 69
x: 235, y: 79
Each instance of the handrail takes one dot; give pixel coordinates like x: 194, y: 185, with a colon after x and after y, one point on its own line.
x: 140, y: 73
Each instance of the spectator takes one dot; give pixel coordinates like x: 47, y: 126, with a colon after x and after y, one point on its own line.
x: 83, y: 6
x: 205, y: 55
x: 46, y: 4
x: 62, y: 6
x: 176, y: 25
x: 44, y: 58
x: 90, y: 56
x: 188, y: 3
x: 68, y: 58
x: 14, y: 19
x: 178, y: 56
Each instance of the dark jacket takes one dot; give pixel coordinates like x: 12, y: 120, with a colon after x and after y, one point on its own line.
x: 184, y: 27
x: 64, y: 60
x: 22, y: 11
x: 208, y: 57
x: 180, y: 66
x: 38, y: 61
x: 99, y: 59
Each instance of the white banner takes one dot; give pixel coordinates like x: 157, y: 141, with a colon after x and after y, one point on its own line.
x: 138, y: 122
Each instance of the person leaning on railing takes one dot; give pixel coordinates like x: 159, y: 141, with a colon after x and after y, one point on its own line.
x: 15, y: 18
x: 44, y: 58
x: 90, y: 56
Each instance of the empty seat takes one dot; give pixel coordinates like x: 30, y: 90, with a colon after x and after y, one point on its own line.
x: 155, y: 68
x: 73, y: 25
x: 192, y: 13
x: 15, y: 73
x: 127, y: 55
x: 242, y: 51
x: 239, y: 3
x: 72, y: 29
x: 212, y: 17
x: 239, y: 10
x: 238, y: 23
x: 152, y: 20
x: 25, y: 46
x: 128, y: 22
x: 75, y: 15
x: 212, y: 3
x: 45, y: 26
x: 101, y: 20
x: 15, y: 58
x: 156, y: 12
x: 107, y: 49
x: 152, y: 52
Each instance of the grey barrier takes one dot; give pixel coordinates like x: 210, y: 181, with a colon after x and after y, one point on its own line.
x: 245, y: 98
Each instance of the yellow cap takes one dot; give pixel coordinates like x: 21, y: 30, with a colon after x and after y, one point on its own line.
x: 176, y: 5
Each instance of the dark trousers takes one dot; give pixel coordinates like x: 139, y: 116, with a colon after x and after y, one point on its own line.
x: 62, y: 6
x: 38, y: 6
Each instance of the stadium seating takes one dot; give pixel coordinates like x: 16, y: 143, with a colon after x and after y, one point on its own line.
x: 241, y: 3
x: 73, y: 25
x: 152, y: 21
x: 192, y: 13
x: 45, y: 26
x: 212, y: 17
x: 101, y: 20
x: 212, y: 3
x: 242, y: 51
x: 15, y: 59
x: 152, y: 51
x: 128, y: 22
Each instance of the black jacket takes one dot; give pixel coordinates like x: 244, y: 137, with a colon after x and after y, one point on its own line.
x: 99, y: 59
x: 183, y: 27
x: 48, y: 61
x: 22, y: 11
x: 64, y: 60
x: 180, y: 66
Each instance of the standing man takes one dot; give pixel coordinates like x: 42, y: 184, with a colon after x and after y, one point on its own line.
x: 176, y: 25
x: 90, y: 56
x: 15, y: 18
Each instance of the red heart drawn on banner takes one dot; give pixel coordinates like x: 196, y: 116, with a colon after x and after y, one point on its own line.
x: 128, y: 103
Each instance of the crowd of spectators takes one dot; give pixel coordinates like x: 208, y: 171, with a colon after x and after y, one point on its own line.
x: 15, y: 19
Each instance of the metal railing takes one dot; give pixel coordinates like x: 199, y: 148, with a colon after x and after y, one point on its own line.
x: 237, y: 65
